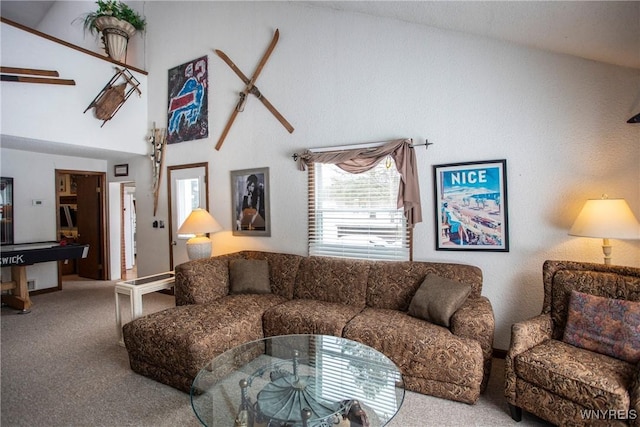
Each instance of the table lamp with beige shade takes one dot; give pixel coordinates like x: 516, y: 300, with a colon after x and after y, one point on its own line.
x: 199, y: 222
x: 606, y: 219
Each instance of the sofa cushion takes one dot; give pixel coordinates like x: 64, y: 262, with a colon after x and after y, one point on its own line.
x: 335, y: 280
x: 201, y: 281
x: 183, y: 339
x: 601, y: 283
x: 432, y: 360
x: 604, y: 325
x: 283, y: 269
x: 392, y: 284
x: 593, y: 380
x: 301, y: 316
x: 437, y: 299
x: 249, y: 276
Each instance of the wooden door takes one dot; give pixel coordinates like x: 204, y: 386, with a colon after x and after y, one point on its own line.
x: 90, y: 226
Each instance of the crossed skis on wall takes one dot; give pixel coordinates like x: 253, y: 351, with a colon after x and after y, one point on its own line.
x: 251, y: 88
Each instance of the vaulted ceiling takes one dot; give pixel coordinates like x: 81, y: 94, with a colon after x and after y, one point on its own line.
x: 606, y: 31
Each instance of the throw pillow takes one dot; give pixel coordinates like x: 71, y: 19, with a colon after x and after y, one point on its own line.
x: 604, y: 325
x: 249, y: 276
x: 437, y: 299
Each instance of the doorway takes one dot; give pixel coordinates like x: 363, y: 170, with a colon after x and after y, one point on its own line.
x: 81, y: 218
x: 128, y: 231
x: 187, y: 191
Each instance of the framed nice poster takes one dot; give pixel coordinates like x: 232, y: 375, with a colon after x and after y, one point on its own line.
x: 471, y: 206
x: 250, y: 201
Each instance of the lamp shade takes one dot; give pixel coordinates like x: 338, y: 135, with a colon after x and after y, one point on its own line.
x: 606, y: 218
x: 199, y: 221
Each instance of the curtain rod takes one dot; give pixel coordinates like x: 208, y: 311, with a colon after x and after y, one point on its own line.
x: 363, y: 145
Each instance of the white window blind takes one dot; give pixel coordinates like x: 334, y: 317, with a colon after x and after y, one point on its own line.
x: 356, y: 215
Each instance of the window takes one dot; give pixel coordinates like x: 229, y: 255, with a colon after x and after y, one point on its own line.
x: 356, y: 215
x: 187, y: 199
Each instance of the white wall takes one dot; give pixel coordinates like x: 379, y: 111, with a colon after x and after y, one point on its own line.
x: 34, y: 178
x: 56, y: 113
x: 115, y: 224
x: 64, y: 20
x: 343, y: 78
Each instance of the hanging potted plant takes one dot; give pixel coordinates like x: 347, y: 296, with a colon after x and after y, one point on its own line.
x: 117, y: 22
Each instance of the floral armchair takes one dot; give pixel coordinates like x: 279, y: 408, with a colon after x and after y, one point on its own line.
x: 578, y: 362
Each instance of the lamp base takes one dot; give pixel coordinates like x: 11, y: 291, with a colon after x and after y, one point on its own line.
x: 199, y: 247
x: 606, y: 250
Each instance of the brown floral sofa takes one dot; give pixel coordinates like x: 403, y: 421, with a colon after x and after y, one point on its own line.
x: 570, y: 365
x: 365, y: 301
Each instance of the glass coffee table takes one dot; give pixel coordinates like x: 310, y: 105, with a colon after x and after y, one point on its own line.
x: 298, y: 381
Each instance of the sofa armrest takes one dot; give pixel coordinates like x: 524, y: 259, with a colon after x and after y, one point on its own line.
x: 201, y: 281
x: 475, y: 320
x: 530, y: 333
x: 524, y: 335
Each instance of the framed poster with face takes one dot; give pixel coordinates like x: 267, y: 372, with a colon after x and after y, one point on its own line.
x: 471, y: 206
x: 250, y: 202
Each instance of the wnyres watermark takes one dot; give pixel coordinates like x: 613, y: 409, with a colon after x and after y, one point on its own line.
x: 608, y: 414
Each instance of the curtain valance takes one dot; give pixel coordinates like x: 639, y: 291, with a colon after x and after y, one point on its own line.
x: 359, y: 160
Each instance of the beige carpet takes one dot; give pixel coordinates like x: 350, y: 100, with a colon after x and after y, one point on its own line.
x: 61, y: 366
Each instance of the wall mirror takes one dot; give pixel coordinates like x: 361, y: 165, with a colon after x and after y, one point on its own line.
x: 187, y: 191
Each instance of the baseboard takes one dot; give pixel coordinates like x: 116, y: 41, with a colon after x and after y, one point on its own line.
x: 43, y: 291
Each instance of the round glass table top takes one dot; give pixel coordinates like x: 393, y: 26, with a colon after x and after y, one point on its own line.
x: 298, y: 381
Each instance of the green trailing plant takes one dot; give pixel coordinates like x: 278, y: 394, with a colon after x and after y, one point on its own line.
x: 114, y: 8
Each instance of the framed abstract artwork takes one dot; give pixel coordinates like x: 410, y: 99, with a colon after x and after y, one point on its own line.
x: 188, y: 111
x: 471, y: 206
x: 250, y: 202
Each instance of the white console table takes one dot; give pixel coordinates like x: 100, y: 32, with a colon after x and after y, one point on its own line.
x: 135, y: 288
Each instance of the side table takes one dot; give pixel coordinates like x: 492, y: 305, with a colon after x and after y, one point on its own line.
x: 135, y: 288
